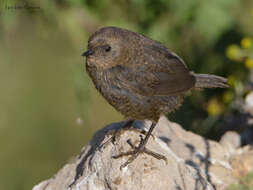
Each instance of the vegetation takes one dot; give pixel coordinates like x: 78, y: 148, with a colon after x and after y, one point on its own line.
x: 245, y: 183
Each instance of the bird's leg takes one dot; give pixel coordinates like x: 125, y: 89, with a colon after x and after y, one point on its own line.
x: 140, y: 149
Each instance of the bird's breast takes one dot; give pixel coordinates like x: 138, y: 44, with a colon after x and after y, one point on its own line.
x: 112, y: 87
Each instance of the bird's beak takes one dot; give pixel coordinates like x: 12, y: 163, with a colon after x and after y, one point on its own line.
x: 87, y: 53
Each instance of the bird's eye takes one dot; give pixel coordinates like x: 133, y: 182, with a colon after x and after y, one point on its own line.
x: 108, y: 48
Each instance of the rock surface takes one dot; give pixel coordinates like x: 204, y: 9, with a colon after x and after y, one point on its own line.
x: 194, y: 163
x: 248, y: 104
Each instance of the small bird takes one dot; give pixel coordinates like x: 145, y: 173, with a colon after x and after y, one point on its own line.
x: 140, y: 78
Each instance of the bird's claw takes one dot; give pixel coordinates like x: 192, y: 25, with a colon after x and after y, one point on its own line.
x: 136, y: 151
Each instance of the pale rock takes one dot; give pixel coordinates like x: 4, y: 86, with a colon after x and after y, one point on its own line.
x: 194, y: 163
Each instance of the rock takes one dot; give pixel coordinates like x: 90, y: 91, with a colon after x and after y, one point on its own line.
x: 231, y: 141
x: 248, y: 105
x: 242, y: 162
x: 194, y: 163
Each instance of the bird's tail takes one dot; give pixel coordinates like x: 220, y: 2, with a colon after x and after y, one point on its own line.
x: 210, y: 81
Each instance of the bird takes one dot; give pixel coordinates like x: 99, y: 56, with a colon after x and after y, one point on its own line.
x: 141, y: 79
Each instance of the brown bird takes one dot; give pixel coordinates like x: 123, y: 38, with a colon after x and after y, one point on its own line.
x: 140, y: 78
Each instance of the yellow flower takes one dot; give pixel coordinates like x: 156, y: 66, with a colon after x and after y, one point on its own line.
x: 227, y: 96
x: 249, y: 63
x: 231, y: 80
x: 233, y: 52
x: 246, y: 43
x: 214, y: 107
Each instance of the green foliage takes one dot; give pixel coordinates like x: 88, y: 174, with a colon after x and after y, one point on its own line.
x: 245, y: 183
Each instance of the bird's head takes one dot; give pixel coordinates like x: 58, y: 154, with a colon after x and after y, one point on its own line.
x: 108, y: 47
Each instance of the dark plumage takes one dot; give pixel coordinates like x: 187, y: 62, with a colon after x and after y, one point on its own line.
x: 140, y: 77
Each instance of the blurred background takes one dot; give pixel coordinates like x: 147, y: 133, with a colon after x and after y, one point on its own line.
x: 49, y: 108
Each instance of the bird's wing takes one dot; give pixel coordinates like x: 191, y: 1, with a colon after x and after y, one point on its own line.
x: 159, y: 73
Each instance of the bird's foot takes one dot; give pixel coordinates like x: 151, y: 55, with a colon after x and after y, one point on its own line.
x: 136, y: 151
x: 127, y: 126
